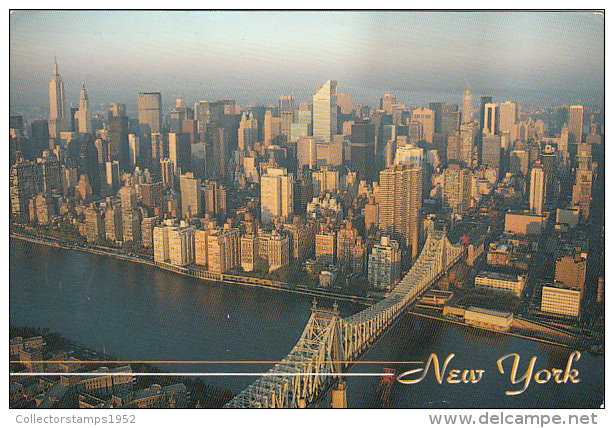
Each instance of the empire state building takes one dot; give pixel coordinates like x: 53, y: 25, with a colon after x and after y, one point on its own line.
x: 57, y: 116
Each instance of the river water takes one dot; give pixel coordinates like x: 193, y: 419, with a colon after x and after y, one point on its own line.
x: 139, y: 312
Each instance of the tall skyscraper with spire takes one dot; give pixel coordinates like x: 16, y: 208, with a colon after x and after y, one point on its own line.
x: 325, y: 112
x: 84, y: 118
x: 467, y: 111
x: 57, y: 104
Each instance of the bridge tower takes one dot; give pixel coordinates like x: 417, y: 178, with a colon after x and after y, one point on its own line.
x: 339, y: 400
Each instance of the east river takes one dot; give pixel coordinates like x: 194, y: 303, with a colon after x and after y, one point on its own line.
x: 141, y: 313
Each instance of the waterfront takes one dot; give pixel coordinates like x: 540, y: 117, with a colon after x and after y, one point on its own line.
x: 138, y: 312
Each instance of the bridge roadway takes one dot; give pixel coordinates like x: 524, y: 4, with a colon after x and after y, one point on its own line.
x: 330, y: 345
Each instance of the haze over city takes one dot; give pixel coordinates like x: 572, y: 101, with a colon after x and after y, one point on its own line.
x: 253, y: 57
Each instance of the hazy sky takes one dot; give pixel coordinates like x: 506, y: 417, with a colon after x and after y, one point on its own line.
x: 253, y: 57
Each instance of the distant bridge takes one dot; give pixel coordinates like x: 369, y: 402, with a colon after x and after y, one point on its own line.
x: 330, y: 345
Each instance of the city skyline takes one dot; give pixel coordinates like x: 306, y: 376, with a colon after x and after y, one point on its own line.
x: 529, y: 57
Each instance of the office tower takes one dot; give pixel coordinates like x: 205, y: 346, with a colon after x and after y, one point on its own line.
x: 457, y: 189
x: 538, y: 189
x: 272, y: 129
x: 181, y: 245
x: 491, y: 150
x: 117, y: 137
x: 347, y: 241
x: 325, y: 111
x: 371, y: 214
x: 426, y: 118
x: 508, y: 115
x: 112, y: 174
x: 117, y: 109
x: 134, y: 150
x: 490, y: 119
x: 248, y: 131
x: 167, y: 173
x: 306, y: 152
x: 576, y: 124
x: 519, y: 162
x: 468, y: 137
x: 103, y: 150
x: 276, y: 194
x: 548, y: 158
x: 179, y: 151
x: 582, y: 189
x: 150, y: 112
x: 467, y: 114
x: 94, y: 224
x: 401, y: 203
x: 84, y: 115
x: 483, y: 102
x: 450, y: 119
x: 345, y: 102
x: 57, y: 115
x: 22, y: 188
x: 592, y: 137
x: 409, y: 154
x: 88, y: 163
x: 49, y: 173
x: 362, y: 150
x: 159, y: 147
x: 147, y: 230
x: 387, y: 102
x: 385, y: 264
x: 191, y: 196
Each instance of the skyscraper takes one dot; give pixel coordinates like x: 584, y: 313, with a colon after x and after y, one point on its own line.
x: 276, y: 194
x: 457, y: 188
x: 57, y: 106
x: 538, y: 189
x: 84, y: 115
x: 150, y: 112
x: 400, y: 203
x: 576, y: 123
x: 179, y: 150
x: 191, y: 196
x: 508, y: 114
x: 325, y: 111
x: 426, y: 117
x: 491, y: 126
x: 467, y: 114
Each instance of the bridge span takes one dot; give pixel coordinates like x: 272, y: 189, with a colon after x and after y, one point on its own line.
x: 329, y: 345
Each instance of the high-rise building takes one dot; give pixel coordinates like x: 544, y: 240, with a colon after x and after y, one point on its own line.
x: 276, y: 194
x: 249, y: 252
x: 387, y: 102
x: 576, y: 123
x: 128, y: 198
x: 325, y: 247
x: 467, y: 114
x: 84, y: 115
x: 325, y: 111
x: 457, y: 188
x: 248, y: 131
x: 491, y: 150
x: 94, y: 224
x: 117, y: 137
x: 224, y: 250
x: 150, y: 112
x: 508, y: 115
x: 214, y: 198
x: 147, y: 230
x: 167, y: 173
x: 538, y: 189
x: 191, y: 196
x: 179, y: 151
x: 401, y: 203
x: 151, y: 194
x: 131, y: 225
x: 491, y: 126
x: 181, y: 245
x: 385, y: 264
x: 426, y: 118
x: 113, y: 222
x: 57, y: 105
x: 582, y: 189
x: 134, y: 150
x: 112, y: 173
x: 49, y: 173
